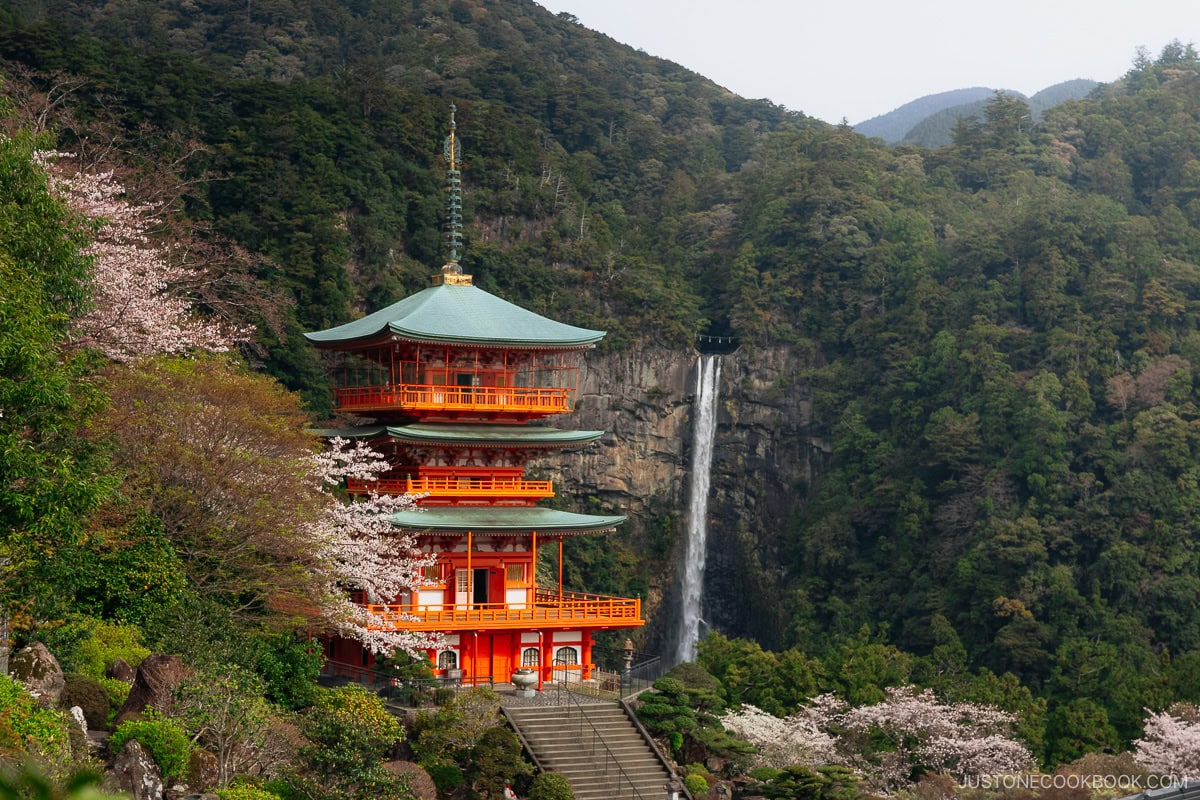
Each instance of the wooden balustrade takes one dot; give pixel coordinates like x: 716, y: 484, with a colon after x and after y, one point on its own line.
x: 463, y: 486
x: 548, y: 611
x: 429, y: 397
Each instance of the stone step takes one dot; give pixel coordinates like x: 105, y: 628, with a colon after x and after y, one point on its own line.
x: 578, y: 745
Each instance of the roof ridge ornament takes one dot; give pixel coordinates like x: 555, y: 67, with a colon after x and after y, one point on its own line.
x: 452, y: 274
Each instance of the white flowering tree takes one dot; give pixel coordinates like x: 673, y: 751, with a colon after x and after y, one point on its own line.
x: 142, y: 289
x: 797, y: 739
x: 365, y: 551
x: 1170, y: 744
x: 889, y: 743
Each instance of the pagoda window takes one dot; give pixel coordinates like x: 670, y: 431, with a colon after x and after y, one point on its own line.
x: 514, y: 573
x: 530, y: 657
x: 431, y: 575
x: 447, y: 659
x: 568, y: 656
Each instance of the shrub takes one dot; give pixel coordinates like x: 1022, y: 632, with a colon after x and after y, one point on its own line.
x: 104, y: 644
x: 118, y: 692
x: 446, y: 776
x: 245, y: 792
x: 696, y: 784
x: 551, y: 786
x: 163, y: 738
x: 497, y: 760
x: 87, y: 693
x: 28, y: 729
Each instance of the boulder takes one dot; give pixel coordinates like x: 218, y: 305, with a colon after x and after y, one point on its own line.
x: 38, y: 669
x: 80, y: 720
x: 136, y: 773
x: 419, y: 782
x: 202, y: 769
x: 120, y: 670
x: 153, y: 687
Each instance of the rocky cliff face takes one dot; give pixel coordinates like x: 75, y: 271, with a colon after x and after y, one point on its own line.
x: 766, y: 455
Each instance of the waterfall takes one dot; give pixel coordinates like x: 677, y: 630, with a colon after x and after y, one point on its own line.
x: 704, y: 427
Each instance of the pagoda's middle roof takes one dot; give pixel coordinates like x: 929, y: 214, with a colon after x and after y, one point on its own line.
x: 475, y: 435
x: 462, y: 315
x: 503, y: 521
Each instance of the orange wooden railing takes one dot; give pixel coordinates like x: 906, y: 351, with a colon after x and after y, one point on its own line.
x: 548, y: 611
x: 425, y: 397
x: 483, y: 486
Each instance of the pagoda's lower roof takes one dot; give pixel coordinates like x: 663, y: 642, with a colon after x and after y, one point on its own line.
x: 463, y: 434
x: 504, y: 521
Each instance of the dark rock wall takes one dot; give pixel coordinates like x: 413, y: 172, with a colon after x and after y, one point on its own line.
x: 767, y: 453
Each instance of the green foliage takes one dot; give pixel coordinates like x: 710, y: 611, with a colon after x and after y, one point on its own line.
x: 164, y: 739
x: 684, y: 714
x: 245, y: 791
x: 29, y: 731
x: 289, y: 665
x: 446, y: 776
x: 351, y: 734
x: 28, y: 781
x: 50, y: 480
x: 550, y: 786
x: 453, y: 733
x: 801, y: 783
x: 222, y: 708
x: 697, y: 785
x: 101, y: 644
x: 497, y: 761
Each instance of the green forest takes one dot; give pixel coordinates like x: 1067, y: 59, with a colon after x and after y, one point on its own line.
x: 1001, y: 333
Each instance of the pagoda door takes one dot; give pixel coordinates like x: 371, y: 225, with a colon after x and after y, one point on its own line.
x: 502, y: 656
x: 462, y: 588
x: 479, y: 587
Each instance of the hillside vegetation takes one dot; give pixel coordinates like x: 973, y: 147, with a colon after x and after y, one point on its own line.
x: 1005, y: 328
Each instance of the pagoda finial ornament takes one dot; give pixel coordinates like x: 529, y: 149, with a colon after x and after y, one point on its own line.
x: 452, y: 273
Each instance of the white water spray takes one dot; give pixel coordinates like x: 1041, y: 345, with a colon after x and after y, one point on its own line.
x: 704, y: 427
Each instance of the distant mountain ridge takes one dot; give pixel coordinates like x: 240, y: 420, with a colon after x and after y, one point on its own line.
x: 929, y: 121
x: 892, y: 126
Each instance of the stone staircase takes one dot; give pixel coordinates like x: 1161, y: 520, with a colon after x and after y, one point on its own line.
x: 596, y: 747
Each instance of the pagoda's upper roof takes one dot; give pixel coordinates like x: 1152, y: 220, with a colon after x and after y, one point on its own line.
x: 457, y: 314
x: 473, y: 435
x: 503, y: 520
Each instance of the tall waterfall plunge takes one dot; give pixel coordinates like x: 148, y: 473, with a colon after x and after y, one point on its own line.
x: 704, y: 427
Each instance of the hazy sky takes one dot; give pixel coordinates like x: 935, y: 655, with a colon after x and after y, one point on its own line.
x: 860, y: 58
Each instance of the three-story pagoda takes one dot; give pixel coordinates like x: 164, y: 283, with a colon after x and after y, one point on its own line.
x: 458, y: 383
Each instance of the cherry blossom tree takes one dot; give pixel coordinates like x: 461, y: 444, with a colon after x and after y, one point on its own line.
x: 365, y: 551
x: 889, y: 743
x: 143, y: 299
x: 783, y: 741
x: 1171, y: 742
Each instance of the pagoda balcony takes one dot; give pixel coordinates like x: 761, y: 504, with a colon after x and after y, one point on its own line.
x: 549, y: 610
x: 467, y: 488
x: 455, y: 400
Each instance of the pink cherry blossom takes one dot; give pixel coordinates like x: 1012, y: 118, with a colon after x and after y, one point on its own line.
x: 1171, y: 742
x: 140, y: 301
x: 364, y: 550
x: 889, y: 743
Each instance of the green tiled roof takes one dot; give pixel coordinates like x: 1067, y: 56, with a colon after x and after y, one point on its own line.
x: 479, y: 435
x: 449, y: 314
x: 503, y: 520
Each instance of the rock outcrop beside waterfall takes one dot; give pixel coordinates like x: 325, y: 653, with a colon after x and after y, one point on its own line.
x: 768, y: 450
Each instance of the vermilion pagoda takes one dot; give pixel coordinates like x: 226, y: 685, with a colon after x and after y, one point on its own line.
x: 453, y: 377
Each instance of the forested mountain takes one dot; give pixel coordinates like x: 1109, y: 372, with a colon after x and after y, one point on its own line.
x: 937, y: 130
x: 892, y: 126
x: 1002, y: 332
